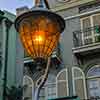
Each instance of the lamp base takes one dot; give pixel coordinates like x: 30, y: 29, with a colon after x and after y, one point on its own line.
x: 40, y: 63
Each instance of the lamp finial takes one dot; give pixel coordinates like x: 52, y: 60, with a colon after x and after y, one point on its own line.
x: 41, y: 3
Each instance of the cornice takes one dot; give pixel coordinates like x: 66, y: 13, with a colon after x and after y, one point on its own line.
x: 70, y: 4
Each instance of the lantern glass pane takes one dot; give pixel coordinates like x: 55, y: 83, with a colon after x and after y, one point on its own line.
x: 39, y: 35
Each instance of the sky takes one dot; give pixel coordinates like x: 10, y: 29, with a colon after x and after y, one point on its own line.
x: 11, y: 5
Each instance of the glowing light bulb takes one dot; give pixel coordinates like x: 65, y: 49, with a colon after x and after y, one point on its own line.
x: 39, y: 38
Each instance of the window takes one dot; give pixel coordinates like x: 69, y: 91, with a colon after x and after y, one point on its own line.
x: 51, y: 90
x: 79, y: 85
x: 96, y: 22
x: 93, y: 82
x: 87, y: 37
x: 55, y: 86
x: 28, y: 88
x: 48, y: 91
x: 88, y: 24
x: 42, y: 95
x: 89, y: 6
x: 62, y: 83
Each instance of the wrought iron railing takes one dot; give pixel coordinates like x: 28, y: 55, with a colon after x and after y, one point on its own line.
x: 86, y: 36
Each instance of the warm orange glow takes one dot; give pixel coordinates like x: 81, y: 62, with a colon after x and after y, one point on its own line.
x: 40, y: 39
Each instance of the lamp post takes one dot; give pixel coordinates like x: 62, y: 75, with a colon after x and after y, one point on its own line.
x: 39, y: 31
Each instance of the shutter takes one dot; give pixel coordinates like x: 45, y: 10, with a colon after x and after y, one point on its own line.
x: 79, y: 85
x: 96, y: 22
x: 62, y: 83
x: 86, y: 31
x: 96, y: 19
x: 79, y: 88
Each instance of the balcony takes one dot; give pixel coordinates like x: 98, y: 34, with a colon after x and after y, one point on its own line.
x: 87, y: 40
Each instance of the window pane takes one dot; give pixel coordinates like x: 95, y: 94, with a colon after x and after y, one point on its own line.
x: 62, y: 83
x: 94, y: 88
x: 86, y: 24
x: 96, y: 20
x: 42, y: 94
x: 77, y: 73
x: 94, y: 72
x: 79, y: 85
x: 79, y: 88
x: 62, y: 89
x: 51, y: 90
x: 62, y: 76
x: 27, y: 90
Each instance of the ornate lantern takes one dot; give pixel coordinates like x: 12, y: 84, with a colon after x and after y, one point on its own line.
x: 39, y: 32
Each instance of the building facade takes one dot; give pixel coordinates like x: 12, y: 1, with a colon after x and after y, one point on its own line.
x: 77, y: 72
x: 75, y: 63
x: 11, y: 64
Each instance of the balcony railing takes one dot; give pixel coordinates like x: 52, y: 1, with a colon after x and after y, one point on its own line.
x: 86, y: 36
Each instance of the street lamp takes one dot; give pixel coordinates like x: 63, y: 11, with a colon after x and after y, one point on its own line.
x: 39, y: 31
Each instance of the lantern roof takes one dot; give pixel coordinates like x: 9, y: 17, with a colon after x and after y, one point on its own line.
x: 37, y: 11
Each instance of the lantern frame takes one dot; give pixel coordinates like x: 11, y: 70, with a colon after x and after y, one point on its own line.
x: 41, y: 12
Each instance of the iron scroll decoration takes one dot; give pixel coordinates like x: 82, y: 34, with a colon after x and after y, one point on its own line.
x: 39, y: 32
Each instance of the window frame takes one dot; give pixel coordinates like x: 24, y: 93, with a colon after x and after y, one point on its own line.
x: 45, y: 87
x: 76, y: 78
x: 59, y: 81
x: 92, y: 77
x: 93, y: 35
x: 32, y: 85
x: 91, y: 25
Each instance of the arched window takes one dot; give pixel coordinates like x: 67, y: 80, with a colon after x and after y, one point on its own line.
x: 48, y: 91
x: 62, y: 83
x: 93, y: 82
x: 28, y: 90
x: 79, y: 85
x: 51, y: 87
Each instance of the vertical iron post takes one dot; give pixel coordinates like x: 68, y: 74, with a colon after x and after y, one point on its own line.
x: 7, y: 25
